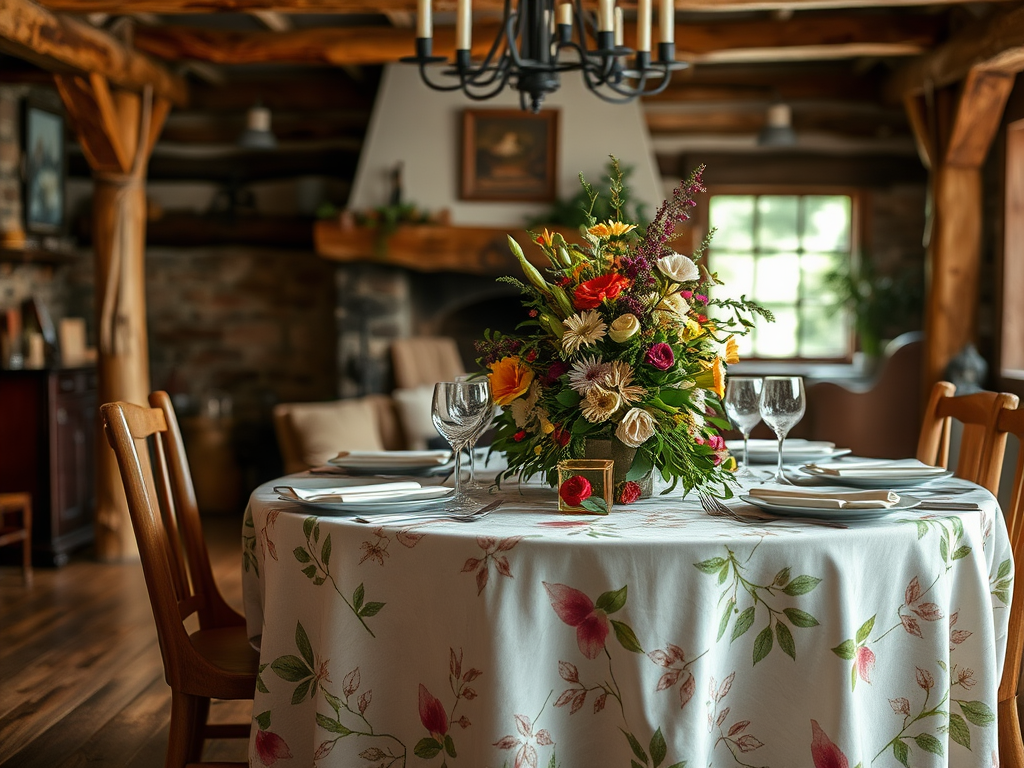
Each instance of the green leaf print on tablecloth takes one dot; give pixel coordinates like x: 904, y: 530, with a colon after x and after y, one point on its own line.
x: 738, y: 589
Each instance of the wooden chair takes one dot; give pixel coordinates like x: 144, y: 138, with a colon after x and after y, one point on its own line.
x: 981, y: 445
x: 15, y: 526
x: 216, y: 661
x: 1011, y: 745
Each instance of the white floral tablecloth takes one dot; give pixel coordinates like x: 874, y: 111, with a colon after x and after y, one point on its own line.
x: 655, y: 637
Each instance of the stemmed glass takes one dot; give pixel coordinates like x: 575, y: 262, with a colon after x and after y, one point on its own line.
x: 458, y: 408
x: 742, y: 406
x: 485, y: 422
x: 782, y: 405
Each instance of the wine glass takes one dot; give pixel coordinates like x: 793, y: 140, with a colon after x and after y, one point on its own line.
x: 485, y: 421
x: 458, y: 408
x: 742, y: 406
x: 782, y: 405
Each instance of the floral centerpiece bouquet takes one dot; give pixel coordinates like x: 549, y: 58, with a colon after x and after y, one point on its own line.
x: 619, y: 344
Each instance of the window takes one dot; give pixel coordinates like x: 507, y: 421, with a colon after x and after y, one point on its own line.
x: 778, y: 249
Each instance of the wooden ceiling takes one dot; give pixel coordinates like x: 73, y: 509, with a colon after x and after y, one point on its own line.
x: 844, y: 66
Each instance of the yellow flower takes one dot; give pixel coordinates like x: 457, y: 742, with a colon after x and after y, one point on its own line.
x: 691, y: 330
x: 732, y: 351
x: 544, y: 239
x: 509, y: 379
x: 712, y: 378
x: 611, y: 229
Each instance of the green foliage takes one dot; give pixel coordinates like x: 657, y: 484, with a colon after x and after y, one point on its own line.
x: 608, y: 200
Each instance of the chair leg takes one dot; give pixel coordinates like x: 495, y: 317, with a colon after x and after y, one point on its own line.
x: 181, y: 740
x: 26, y: 564
x: 199, y: 734
x: 1011, y: 744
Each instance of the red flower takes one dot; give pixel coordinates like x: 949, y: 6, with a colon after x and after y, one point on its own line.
x: 590, y: 293
x: 629, y: 492
x: 660, y: 356
x: 577, y: 610
x: 270, y: 747
x: 824, y: 753
x: 555, y: 371
x: 561, y: 435
x: 531, y: 355
x: 432, y: 714
x: 575, y: 490
x: 519, y: 436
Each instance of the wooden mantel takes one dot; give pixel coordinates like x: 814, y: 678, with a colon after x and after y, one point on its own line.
x: 432, y: 247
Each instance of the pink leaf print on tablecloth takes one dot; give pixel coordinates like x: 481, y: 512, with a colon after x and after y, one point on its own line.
x: 956, y: 636
x: 527, y: 754
x: 266, y: 543
x: 577, y: 610
x: 270, y: 747
x: 865, y: 661
x: 432, y: 714
x: 491, y: 547
x: 824, y: 753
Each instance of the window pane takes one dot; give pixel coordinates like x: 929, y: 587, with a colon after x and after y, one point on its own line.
x: 777, y: 223
x: 737, y: 272
x: 814, y: 268
x: 777, y: 339
x: 822, y: 334
x: 827, y: 223
x: 778, y: 278
x: 733, y: 217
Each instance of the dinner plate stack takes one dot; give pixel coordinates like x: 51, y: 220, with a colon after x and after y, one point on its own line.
x: 794, y: 451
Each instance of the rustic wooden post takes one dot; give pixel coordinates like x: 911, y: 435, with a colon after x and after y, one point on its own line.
x: 117, y: 131
x: 953, y: 138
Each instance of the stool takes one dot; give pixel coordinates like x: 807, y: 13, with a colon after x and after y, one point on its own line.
x: 10, y: 532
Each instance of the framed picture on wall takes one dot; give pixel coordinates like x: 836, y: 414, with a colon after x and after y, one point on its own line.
x: 45, y: 164
x: 509, y: 155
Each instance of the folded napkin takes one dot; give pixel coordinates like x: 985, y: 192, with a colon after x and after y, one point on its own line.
x: 898, y: 468
x: 391, y: 458
x: 404, y: 491
x: 825, y: 499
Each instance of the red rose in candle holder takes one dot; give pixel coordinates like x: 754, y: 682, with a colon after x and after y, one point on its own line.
x: 575, y: 490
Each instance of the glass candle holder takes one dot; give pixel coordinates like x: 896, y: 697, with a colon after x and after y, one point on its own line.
x: 586, y: 486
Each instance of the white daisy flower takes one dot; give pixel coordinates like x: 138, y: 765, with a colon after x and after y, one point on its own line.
x: 600, y: 404
x: 620, y: 379
x: 582, y: 330
x: 588, y: 372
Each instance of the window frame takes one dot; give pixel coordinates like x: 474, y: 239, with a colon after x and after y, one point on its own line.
x: 858, y: 207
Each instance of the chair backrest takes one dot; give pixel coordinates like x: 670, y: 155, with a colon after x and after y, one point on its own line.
x: 1011, y: 748
x: 162, y: 505
x: 366, y: 423
x: 981, y: 444
x: 420, y: 360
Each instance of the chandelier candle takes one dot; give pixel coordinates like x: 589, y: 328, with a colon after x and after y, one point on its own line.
x: 424, y: 22
x: 668, y: 21
x: 463, y: 26
x: 643, y: 26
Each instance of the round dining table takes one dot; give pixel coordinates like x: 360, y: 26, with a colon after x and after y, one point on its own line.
x: 657, y: 636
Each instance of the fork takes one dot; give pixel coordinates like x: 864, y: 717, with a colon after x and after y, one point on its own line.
x: 716, y: 508
x: 467, y: 517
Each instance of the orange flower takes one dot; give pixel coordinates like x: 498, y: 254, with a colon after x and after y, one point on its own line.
x: 712, y: 378
x: 544, y: 239
x: 510, y: 379
x: 732, y: 351
x: 611, y: 229
x: 590, y: 294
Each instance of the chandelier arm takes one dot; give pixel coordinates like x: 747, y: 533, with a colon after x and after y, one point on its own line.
x: 437, y: 86
x: 499, y: 71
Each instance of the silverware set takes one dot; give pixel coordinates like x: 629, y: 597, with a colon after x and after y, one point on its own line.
x: 715, y: 507
x: 425, y: 517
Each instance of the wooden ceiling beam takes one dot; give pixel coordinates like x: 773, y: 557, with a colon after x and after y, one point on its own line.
x: 62, y: 44
x: 978, y: 116
x: 398, y: 6
x: 996, y: 44
x: 744, y: 120
x: 797, y: 39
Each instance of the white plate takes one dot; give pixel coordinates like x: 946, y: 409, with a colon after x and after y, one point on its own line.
x: 888, y: 479
x: 363, y: 507
x: 831, y: 513
x: 793, y: 451
x: 394, y: 462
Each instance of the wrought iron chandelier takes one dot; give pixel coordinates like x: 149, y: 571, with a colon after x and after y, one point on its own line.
x: 537, y: 43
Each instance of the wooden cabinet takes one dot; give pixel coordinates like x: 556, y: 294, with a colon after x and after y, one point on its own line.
x: 48, y: 433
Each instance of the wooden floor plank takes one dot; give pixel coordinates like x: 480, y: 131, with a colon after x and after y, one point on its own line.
x: 81, y: 680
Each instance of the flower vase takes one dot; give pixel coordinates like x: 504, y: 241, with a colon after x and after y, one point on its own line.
x: 623, y: 456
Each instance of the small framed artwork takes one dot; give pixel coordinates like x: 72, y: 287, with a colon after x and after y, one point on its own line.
x: 45, y: 166
x: 509, y: 155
